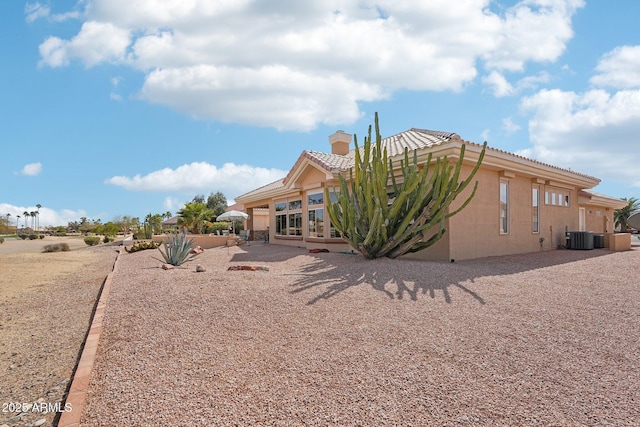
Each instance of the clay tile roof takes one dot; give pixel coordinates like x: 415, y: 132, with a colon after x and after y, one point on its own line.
x: 271, y: 186
x: 413, y: 139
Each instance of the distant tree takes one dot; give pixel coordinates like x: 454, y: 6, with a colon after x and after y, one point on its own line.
x: 38, y: 217
x: 194, y: 216
x: 25, y: 216
x: 167, y: 215
x: 153, y: 224
x: 198, y: 198
x: 621, y: 216
x: 73, y: 226
x: 217, y: 203
x: 109, y: 229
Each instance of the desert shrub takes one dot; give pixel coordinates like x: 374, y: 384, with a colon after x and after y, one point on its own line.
x: 41, y: 236
x: 56, y: 247
x: 141, y: 246
x: 177, y: 249
x: 92, y: 240
x: 107, y: 239
x: 1, y: 240
x: 22, y: 236
x: 33, y: 236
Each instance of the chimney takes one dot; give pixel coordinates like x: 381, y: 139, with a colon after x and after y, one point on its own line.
x: 340, y: 143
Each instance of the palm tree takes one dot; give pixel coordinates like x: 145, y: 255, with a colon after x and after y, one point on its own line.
x: 33, y: 220
x: 194, y: 216
x: 8, y: 222
x: 622, y: 215
x: 26, y: 214
x: 167, y: 215
x: 38, y: 217
x: 17, y: 223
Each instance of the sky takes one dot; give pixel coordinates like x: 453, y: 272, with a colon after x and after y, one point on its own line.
x: 129, y: 107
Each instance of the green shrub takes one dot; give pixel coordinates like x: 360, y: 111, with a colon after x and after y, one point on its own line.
x: 33, y: 236
x: 22, y: 236
x: 92, y: 240
x: 107, y: 239
x: 1, y: 240
x: 56, y: 247
x: 41, y: 236
x: 177, y: 250
x: 141, y: 246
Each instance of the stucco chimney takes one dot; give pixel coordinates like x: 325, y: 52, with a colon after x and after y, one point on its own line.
x: 340, y: 143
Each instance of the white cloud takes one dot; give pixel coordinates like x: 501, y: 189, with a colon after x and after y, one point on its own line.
x: 532, y: 31
x: 499, y: 84
x: 501, y: 87
x: 230, y: 179
x: 47, y: 216
x: 36, y: 11
x: 593, y: 132
x: 509, y: 126
x: 619, y: 68
x: 172, y: 203
x: 32, y: 169
x: 96, y: 42
x: 295, y: 65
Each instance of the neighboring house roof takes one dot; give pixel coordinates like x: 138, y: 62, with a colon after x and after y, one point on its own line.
x: 414, y: 139
x: 171, y: 221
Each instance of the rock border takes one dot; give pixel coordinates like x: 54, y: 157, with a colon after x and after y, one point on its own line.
x: 77, y: 395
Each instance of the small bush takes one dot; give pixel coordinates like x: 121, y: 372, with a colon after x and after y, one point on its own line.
x: 33, y: 236
x: 1, y: 240
x: 22, y: 236
x: 92, y: 240
x: 141, y: 246
x: 56, y: 247
x: 107, y: 239
x: 41, y: 236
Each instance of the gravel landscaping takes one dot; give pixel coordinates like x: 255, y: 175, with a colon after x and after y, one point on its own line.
x: 549, y: 338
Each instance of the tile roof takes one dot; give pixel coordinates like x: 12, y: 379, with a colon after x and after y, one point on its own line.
x: 269, y: 187
x: 413, y: 139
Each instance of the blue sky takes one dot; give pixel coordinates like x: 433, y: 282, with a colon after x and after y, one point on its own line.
x: 119, y: 107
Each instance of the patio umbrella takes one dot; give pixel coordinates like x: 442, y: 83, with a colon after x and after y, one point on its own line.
x: 233, y: 216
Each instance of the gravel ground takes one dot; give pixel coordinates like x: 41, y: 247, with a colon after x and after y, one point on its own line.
x: 46, y: 302
x: 546, y: 339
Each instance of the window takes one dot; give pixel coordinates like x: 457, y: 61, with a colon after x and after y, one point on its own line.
x: 281, y: 219
x: 504, y: 207
x: 315, y: 203
x: 295, y: 224
x: 535, y: 209
x: 556, y: 197
x: 288, y: 223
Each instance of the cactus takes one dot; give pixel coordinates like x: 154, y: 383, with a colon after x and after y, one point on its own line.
x: 380, y: 217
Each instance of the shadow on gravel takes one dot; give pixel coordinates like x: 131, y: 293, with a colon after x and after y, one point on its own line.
x: 332, y: 273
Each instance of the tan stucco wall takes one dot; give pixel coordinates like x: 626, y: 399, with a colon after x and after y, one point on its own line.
x: 599, y: 219
x: 475, y: 232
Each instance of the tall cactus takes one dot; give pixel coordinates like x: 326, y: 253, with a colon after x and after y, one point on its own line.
x: 380, y: 217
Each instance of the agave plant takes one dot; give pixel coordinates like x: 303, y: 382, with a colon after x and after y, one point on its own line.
x: 177, y: 250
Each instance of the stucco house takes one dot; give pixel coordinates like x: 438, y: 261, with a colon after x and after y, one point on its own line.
x: 521, y: 205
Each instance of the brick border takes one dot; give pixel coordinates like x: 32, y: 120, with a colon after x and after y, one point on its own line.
x: 77, y: 395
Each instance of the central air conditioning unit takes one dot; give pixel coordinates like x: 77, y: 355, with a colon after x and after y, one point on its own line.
x: 582, y: 240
